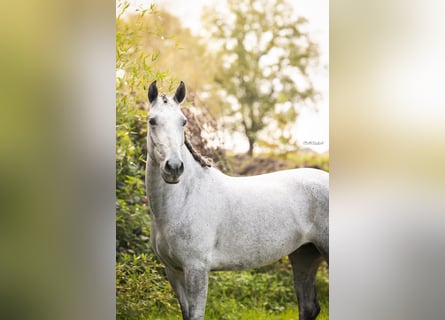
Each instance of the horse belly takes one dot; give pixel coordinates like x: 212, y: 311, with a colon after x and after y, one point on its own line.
x: 240, y: 249
x: 252, y: 257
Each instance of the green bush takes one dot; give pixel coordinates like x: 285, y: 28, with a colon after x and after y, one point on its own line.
x: 132, y: 218
x: 142, y: 288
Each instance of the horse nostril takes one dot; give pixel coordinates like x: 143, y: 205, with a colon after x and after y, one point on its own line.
x: 176, y: 168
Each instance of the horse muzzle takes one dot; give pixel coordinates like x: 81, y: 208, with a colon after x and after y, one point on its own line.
x: 172, y: 170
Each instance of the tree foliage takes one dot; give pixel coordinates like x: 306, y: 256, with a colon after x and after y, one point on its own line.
x: 180, y: 53
x: 264, y: 57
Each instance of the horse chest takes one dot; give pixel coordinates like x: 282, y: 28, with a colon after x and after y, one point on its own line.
x: 164, y: 248
x: 174, y: 243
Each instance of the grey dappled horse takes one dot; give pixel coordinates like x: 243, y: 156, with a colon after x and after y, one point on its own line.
x: 203, y: 220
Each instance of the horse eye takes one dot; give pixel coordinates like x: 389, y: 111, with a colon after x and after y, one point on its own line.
x: 184, y: 122
x: 152, y: 121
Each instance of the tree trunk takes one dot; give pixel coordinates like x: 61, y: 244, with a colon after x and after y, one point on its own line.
x: 251, y: 145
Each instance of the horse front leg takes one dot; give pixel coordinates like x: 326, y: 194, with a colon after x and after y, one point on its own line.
x: 196, y: 284
x: 177, y: 280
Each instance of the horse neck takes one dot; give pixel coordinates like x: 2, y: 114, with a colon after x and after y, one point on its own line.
x: 165, y: 198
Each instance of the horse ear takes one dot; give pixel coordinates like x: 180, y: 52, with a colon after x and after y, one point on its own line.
x: 152, y: 92
x: 180, y: 93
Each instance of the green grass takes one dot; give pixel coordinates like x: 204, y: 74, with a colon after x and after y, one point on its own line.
x: 290, y: 314
x: 254, y: 314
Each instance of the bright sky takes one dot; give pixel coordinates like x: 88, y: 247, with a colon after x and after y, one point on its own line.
x: 312, y: 127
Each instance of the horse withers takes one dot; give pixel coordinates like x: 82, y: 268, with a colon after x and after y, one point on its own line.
x: 204, y: 220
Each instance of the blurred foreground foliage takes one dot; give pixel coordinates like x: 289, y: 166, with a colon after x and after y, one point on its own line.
x: 142, y: 289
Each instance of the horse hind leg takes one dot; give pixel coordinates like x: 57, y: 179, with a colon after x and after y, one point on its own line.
x: 305, y: 262
x: 321, y: 242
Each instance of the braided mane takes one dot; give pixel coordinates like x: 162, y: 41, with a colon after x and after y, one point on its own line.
x: 203, y: 161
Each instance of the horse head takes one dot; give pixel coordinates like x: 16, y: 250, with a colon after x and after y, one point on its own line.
x: 166, y: 131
